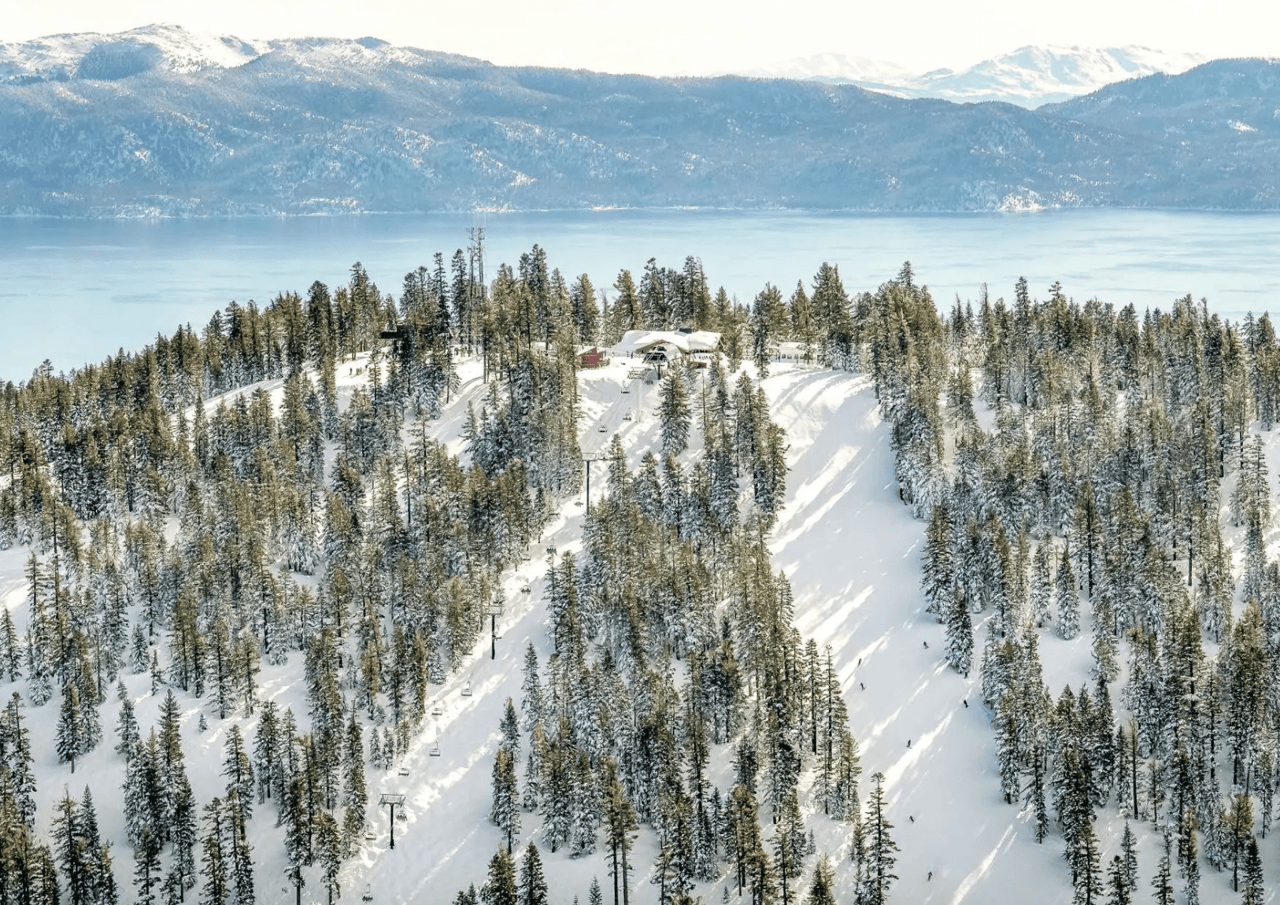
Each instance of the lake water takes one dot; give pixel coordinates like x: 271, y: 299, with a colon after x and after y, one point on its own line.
x: 78, y: 290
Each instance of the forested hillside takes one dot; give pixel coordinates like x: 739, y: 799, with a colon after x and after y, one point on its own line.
x: 276, y: 553
x: 130, y: 125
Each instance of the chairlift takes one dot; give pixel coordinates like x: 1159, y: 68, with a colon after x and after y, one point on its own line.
x: 551, y: 550
x: 626, y: 389
x: 402, y: 817
x: 466, y: 689
x: 604, y: 429
x: 368, y: 895
x: 436, y: 709
x: 626, y: 417
x: 435, y: 750
x: 525, y: 590
x: 404, y: 771
x: 369, y: 837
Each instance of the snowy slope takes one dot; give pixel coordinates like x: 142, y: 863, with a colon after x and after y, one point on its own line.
x: 1029, y: 76
x: 851, y: 552
x: 117, y: 55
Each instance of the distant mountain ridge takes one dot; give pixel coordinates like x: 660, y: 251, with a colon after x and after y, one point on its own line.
x: 1028, y: 77
x: 161, y: 122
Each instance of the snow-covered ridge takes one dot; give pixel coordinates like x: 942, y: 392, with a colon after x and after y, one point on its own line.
x: 119, y: 55
x: 159, y: 122
x: 1029, y: 76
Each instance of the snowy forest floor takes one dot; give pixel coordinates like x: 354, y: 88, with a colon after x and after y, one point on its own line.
x: 851, y: 551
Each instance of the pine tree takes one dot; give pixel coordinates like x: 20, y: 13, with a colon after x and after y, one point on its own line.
x: 243, y: 891
x: 674, y: 413
x: 959, y: 650
x: 329, y: 847
x: 217, y: 886
x: 938, y: 579
x: 1118, y: 883
x: 182, y: 868
x: 1085, y: 867
x: 1162, y: 882
x: 1042, y: 586
x: 505, y: 813
x: 1129, y: 853
x: 500, y: 887
x: 147, y: 872
x: 355, y: 794
x: 619, y: 823
x: 71, y: 742
x: 1068, y: 600
x: 881, y: 848
x: 15, y: 753
x: 266, y: 752
x: 1254, y: 883
x: 533, y: 885
x: 510, y: 728
x: 822, y: 888
x: 1007, y: 754
x: 127, y: 730
x: 73, y: 858
x: 239, y: 775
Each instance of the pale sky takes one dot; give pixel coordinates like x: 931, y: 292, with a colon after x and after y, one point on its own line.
x: 667, y: 37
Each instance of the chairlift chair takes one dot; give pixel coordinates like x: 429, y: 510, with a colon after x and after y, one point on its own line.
x: 466, y: 689
x: 436, y: 709
x: 404, y: 771
x: 551, y: 550
x: 435, y: 750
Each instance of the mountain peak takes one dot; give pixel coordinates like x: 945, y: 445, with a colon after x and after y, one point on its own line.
x: 1028, y: 76
x: 95, y: 55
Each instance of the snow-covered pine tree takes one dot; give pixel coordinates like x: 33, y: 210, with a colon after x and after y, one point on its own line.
x: 938, y: 578
x: 675, y: 414
x: 1162, y: 882
x: 1068, y: 599
x: 959, y: 643
x: 882, y: 851
x: 500, y: 887
x: 505, y: 812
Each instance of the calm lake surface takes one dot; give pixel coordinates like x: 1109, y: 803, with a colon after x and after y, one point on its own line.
x: 79, y: 290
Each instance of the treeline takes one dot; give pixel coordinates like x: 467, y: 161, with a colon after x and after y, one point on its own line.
x: 671, y: 635
x: 170, y: 513
x: 1130, y: 539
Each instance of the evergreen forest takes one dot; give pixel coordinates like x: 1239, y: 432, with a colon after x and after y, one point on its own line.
x: 253, y: 551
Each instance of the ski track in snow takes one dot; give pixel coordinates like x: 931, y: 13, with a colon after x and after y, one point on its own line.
x: 851, y: 551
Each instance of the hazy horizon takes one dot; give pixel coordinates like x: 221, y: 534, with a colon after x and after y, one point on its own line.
x: 696, y: 37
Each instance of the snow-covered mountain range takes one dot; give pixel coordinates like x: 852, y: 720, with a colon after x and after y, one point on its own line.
x: 161, y: 122
x: 1028, y: 77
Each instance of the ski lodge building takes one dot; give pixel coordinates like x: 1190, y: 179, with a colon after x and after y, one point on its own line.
x: 668, y: 346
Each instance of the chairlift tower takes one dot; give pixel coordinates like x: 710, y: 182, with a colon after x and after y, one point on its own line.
x: 392, y: 800
x: 493, y: 611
